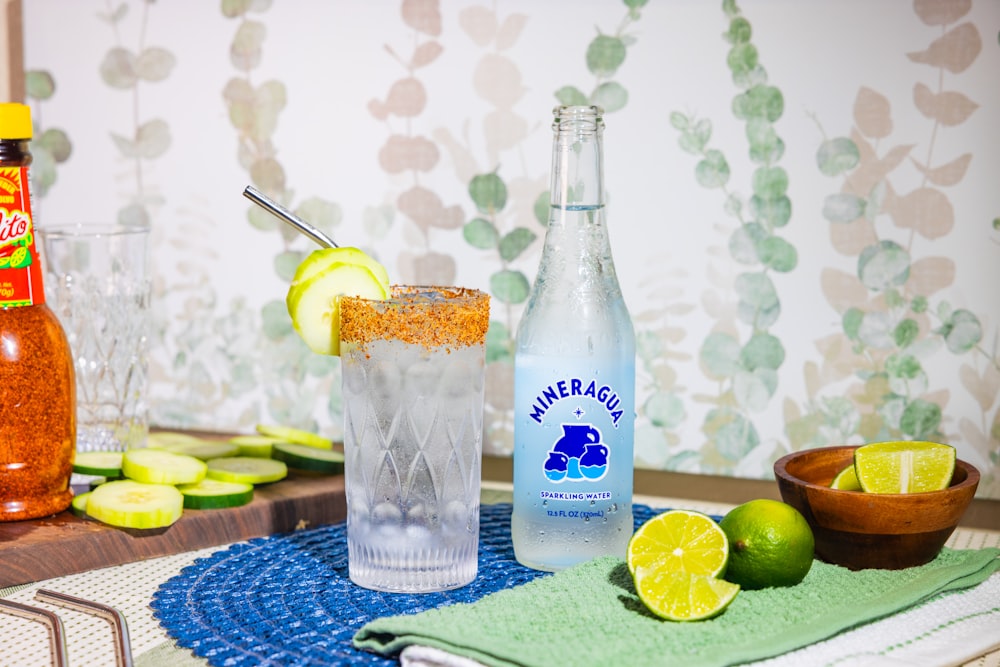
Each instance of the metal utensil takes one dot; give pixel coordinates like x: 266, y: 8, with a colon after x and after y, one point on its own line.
x: 279, y: 211
x: 123, y: 646
x: 57, y: 635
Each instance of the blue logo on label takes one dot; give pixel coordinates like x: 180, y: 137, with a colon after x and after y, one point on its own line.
x: 577, y: 455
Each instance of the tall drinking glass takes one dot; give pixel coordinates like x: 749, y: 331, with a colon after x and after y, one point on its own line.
x: 413, y: 371
x: 98, y: 284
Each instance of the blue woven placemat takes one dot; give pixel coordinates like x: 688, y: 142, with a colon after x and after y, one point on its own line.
x: 287, y: 599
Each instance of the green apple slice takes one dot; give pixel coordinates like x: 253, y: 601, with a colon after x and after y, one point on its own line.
x: 314, y: 304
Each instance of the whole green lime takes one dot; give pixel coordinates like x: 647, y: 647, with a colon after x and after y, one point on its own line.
x: 770, y: 544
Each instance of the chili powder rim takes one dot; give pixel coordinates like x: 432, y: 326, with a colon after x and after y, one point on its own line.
x: 459, y: 319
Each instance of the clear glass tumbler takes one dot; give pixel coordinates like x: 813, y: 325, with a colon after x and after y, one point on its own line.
x: 98, y: 284
x: 413, y: 371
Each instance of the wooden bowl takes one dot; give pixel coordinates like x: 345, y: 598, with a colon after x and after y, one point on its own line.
x: 867, y: 530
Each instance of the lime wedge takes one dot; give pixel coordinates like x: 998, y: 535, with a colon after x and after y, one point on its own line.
x: 904, y: 467
x: 682, y: 596
x: 680, y: 541
x: 846, y: 480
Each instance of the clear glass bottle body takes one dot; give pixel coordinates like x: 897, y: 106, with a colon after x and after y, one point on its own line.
x: 574, y: 378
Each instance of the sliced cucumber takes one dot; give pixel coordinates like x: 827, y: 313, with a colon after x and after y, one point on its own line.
x: 302, y: 457
x: 247, y: 470
x: 156, y: 466
x: 202, y: 449
x: 294, y: 435
x: 322, y: 259
x: 129, y: 504
x: 210, y: 494
x: 257, y: 446
x: 158, y: 439
x: 102, y: 464
x: 314, y: 304
x: 78, y: 506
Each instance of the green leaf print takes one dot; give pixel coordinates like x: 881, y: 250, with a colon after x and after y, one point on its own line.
x: 720, y: 355
x: 843, y: 207
x: 610, y: 96
x: 39, y: 84
x: 760, y: 102
x: 883, y: 265
x: 962, y: 331
x: 510, y: 286
x: 664, y: 409
x: 762, y: 351
x: 571, y: 96
x: 481, y: 233
x: 488, y: 192
x: 906, y: 332
x: 515, y: 242
x: 742, y: 58
x: 739, y: 31
x: 776, y: 253
x: 605, y: 55
x: 837, y: 156
x: 713, y: 170
x: 920, y: 419
x: 773, y: 212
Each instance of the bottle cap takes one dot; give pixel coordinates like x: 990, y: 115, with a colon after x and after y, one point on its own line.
x: 15, y: 121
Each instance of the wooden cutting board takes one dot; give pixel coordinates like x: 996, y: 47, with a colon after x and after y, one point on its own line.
x: 65, y: 544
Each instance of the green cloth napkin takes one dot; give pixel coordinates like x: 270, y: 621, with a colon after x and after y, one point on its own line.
x: 590, y: 615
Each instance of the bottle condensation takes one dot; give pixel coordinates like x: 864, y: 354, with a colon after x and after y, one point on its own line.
x: 574, y: 377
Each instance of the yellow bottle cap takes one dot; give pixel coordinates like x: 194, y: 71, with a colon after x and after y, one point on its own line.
x: 15, y: 121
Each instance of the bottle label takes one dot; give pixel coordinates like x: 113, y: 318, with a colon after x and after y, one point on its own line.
x: 20, y: 270
x: 574, y: 433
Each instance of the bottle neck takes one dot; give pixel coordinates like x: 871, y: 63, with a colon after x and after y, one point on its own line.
x: 577, y: 159
x: 15, y: 152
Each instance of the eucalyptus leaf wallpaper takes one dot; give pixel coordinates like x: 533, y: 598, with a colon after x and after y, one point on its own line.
x: 804, y: 196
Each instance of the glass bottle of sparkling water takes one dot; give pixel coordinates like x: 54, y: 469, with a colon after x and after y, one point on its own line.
x: 574, y: 377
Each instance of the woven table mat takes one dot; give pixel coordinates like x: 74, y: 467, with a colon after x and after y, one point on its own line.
x: 287, y: 599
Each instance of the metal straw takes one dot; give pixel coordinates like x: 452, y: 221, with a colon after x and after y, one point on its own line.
x: 57, y: 634
x: 123, y: 647
x: 276, y: 209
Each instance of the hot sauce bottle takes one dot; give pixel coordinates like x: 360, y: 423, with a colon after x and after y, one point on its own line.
x: 37, y: 390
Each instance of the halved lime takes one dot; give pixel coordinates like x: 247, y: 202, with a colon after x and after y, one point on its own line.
x: 904, y: 467
x: 129, y: 504
x: 156, y: 466
x: 846, y: 480
x: 680, y: 541
x: 682, y: 596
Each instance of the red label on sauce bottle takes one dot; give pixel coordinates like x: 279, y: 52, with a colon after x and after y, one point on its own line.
x: 20, y: 270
